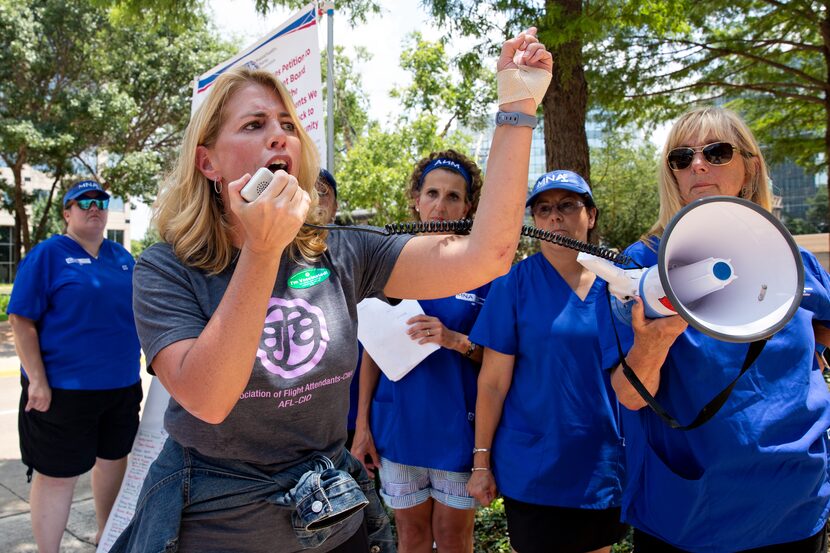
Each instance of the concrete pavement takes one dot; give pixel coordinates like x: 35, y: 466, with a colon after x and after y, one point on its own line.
x: 15, y: 521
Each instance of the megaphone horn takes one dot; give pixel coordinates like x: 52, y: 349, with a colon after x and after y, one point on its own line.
x: 725, y: 265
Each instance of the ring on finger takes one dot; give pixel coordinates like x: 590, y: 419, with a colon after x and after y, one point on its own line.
x: 428, y: 333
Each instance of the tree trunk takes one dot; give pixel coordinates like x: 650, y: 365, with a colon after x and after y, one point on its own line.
x: 21, y: 218
x: 40, y: 230
x: 566, y: 103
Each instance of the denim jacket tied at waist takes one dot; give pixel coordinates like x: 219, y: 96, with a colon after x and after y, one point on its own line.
x: 319, y: 492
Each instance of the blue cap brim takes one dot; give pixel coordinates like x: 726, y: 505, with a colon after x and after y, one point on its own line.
x: 557, y: 186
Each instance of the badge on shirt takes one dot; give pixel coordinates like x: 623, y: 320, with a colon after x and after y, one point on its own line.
x: 78, y: 260
x: 472, y: 298
x: 308, y: 278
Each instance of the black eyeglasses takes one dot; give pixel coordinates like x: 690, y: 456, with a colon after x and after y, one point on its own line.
x: 717, y: 153
x: 565, y: 207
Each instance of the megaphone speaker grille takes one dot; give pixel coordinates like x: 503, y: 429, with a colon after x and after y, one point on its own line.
x: 768, y: 272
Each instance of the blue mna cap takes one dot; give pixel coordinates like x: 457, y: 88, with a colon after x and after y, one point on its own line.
x: 561, y: 179
x: 81, y: 188
x: 329, y: 178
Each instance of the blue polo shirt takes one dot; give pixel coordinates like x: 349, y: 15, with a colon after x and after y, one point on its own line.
x: 756, y: 474
x: 82, y: 308
x: 558, y: 441
x: 426, y: 418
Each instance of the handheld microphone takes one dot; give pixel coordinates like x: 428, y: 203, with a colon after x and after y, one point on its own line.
x: 258, y: 183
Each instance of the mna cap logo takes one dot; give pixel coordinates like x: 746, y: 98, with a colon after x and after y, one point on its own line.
x: 559, y: 177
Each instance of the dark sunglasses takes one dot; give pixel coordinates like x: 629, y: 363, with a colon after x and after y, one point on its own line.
x: 565, y: 207
x: 717, y: 153
x: 86, y: 203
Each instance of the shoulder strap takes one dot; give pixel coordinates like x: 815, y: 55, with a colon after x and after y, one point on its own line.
x: 710, y: 409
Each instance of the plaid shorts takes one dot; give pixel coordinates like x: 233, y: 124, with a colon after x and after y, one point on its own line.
x: 405, y: 486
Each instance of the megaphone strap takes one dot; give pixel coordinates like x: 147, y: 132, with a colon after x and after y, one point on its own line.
x: 710, y: 409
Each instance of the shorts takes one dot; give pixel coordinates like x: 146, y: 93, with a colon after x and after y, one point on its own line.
x: 543, y: 528
x: 79, y: 426
x: 405, y: 486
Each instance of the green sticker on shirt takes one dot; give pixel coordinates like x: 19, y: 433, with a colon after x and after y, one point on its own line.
x: 308, y: 278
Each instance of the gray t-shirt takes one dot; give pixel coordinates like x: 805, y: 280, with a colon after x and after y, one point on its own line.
x: 297, y: 399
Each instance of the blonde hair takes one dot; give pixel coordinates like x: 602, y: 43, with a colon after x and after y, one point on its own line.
x: 696, y: 126
x: 190, y: 216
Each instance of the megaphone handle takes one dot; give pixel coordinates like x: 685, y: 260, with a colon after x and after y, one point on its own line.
x: 710, y: 409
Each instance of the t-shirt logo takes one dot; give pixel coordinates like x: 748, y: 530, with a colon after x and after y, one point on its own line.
x: 78, y: 260
x: 472, y: 298
x: 294, y: 338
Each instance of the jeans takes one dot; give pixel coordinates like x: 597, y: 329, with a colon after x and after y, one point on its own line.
x: 320, y: 492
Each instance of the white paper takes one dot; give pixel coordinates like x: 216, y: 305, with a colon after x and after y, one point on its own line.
x: 292, y: 53
x: 148, y: 443
x: 382, y: 331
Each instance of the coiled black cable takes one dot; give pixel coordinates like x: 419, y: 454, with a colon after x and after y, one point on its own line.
x: 578, y: 245
x: 463, y: 226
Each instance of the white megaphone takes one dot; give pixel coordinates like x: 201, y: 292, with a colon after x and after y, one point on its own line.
x: 725, y: 265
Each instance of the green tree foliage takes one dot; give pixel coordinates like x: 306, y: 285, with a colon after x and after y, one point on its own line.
x: 150, y: 238
x: 375, y: 172
x: 765, y: 58
x: 460, y: 88
x: 80, y: 95
x: 625, y: 188
x: 178, y: 14
x: 351, y: 119
x: 818, y: 213
x: 564, y: 27
x: 490, y: 530
x: 817, y: 216
x: 358, y: 10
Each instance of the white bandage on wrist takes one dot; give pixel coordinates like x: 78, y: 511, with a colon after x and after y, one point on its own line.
x: 524, y: 82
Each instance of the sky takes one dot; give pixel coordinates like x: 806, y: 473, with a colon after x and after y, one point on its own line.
x: 381, y: 35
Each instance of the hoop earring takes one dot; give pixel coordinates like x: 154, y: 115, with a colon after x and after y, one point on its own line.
x: 217, y: 186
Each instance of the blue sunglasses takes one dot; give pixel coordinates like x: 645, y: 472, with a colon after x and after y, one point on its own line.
x: 86, y: 203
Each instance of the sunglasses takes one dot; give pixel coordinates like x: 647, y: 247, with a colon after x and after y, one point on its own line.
x: 86, y: 203
x: 565, y: 207
x: 717, y: 153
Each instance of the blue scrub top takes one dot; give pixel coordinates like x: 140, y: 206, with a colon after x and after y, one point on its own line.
x: 82, y: 308
x: 426, y: 418
x: 558, y: 440
x: 756, y: 474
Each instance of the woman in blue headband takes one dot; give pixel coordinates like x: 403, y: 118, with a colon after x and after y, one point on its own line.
x: 425, y: 454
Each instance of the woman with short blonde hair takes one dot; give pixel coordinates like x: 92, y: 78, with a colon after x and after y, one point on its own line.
x: 188, y: 211
x: 753, y: 477
x: 693, y: 127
